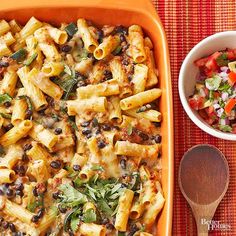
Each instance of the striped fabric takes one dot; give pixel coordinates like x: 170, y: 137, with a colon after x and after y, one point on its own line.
x: 186, y: 22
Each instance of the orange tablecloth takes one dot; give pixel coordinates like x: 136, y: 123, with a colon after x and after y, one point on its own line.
x: 186, y: 22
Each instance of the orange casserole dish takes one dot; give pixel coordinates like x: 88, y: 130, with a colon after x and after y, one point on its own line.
x: 125, y: 12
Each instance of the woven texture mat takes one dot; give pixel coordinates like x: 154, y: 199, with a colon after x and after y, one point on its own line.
x: 186, y: 22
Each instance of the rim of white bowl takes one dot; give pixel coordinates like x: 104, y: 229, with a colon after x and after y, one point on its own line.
x: 202, y: 125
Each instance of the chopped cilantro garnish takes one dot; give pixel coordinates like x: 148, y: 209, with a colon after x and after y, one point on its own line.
x: 225, y: 128
x: 89, y: 216
x: 222, y: 60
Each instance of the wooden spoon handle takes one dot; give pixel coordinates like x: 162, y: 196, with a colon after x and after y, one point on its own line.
x: 202, y: 229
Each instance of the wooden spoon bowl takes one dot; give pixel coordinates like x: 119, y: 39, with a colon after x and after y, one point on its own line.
x: 203, y: 181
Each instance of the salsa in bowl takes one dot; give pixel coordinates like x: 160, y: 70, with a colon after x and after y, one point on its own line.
x: 207, y: 85
x: 215, y: 91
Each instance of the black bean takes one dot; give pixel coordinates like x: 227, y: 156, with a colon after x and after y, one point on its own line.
x: 35, y: 192
x: 107, y: 74
x: 123, y: 185
x: 86, y: 131
x: 133, y: 229
x: 143, y: 136
x: 106, y: 127
x: 55, y: 164
x: 80, y: 76
x: 105, y: 221
x: 42, y: 112
x: 100, y: 36
x: 125, y: 62
x: 89, y: 136
x: 4, y: 64
x: 81, y: 83
x: 1, y: 192
x: 110, y: 226
x: 121, y: 29
x: 5, y: 224
x: 25, y: 157
x: 7, y: 104
x: 19, y: 186
x: 136, y: 194
x: 62, y: 209
x: 56, y: 195
x: 19, y: 193
x: 97, y: 130
x: 40, y: 213
x: 122, y: 38
x: 28, y: 113
x: 20, y: 169
x: 6, y: 186
x: 9, y: 193
x: 76, y: 167
x: 12, y: 227
x: 95, y: 122
x: 58, y: 131
x: 101, y: 144
x: 1, y: 219
x: 35, y: 219
x: 85, y: 124
x: 157, y: 124
x: 66, y: 48
x: 130, y: 77
x: 157, y: 138
x: 9, y: 126
x: 123, y: 163
x: 27, y: 147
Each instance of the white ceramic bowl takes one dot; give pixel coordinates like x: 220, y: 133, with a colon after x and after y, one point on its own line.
x: 188, y: 72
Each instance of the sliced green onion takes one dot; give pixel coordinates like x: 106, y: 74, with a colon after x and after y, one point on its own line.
x: 117, y: 50
x: 19, y: 55
x: 30, y: 59
x: 6, y: 116
x: 28, y: 101
x: 71, y: 29
x: 5, y: 98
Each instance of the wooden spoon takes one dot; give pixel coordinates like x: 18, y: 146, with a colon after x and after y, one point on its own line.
x: 203, y: 181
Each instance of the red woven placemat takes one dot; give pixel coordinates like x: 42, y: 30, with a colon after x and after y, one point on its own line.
x: 186, y: 22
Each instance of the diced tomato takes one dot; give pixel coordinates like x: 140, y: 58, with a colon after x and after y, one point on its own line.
x: 208, y: 72
x: 232, y: 78
x: 209, y: 121
x: 210, y: 110
x: 234, y: 129
x: 231, y: 54
x: 211, y: 64
x: 230, y: 105
x: 206, y: 91
x: 203, y: 114
x: 196, y: 102
x: 201, y: 62
x: 216, y: 95
x: 215, y: 55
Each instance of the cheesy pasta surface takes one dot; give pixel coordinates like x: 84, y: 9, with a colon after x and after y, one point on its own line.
x: 80, y: 140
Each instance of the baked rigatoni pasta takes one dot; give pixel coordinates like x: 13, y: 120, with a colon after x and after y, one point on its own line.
x: 80, y: 140
x: 9, y: 83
